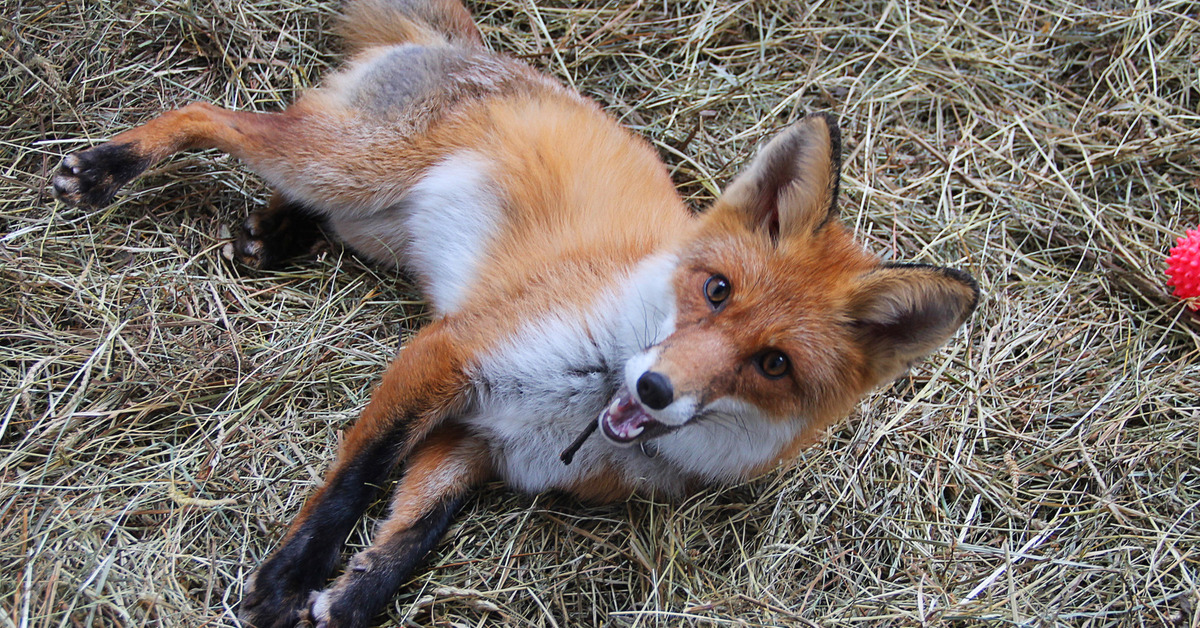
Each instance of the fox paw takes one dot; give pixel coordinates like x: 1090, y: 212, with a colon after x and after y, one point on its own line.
x: 251, y: 247
x: 320, y: 607
x: 270, y: 237
x: 266, y: 606
x: 90, y: 178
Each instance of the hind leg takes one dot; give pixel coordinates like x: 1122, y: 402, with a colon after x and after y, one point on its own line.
x: 91, y: 177
x: 281, y: 231
x: 331, y: 166
x: 329, y: 159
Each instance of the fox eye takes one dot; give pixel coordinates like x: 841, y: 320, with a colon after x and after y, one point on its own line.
x: 773, y: 364
x: 717, y: 289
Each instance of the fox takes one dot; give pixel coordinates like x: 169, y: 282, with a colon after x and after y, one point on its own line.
x: 571, y: 290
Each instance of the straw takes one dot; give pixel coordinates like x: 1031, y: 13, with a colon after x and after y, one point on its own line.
x: 164, y: 413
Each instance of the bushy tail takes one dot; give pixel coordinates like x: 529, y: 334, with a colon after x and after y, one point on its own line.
x: 368, y: 23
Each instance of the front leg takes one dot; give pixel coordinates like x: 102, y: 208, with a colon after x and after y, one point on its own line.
x: 423, y: 386
x: 440, y: 473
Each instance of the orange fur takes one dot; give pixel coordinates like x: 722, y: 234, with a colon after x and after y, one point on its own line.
x: 369, y: 23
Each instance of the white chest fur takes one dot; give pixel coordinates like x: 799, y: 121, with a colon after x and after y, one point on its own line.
x: 540, y: 390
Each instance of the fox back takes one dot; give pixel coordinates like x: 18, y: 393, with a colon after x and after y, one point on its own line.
x: 572, y: 292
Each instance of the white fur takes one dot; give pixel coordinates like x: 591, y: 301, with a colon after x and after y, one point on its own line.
x: 319, y: 605
x: 452, y: 214
x: 380, y: 237
x: 678, y: 412
x: 440, y: 229
x: 730, y: 438
x: 547, y: 384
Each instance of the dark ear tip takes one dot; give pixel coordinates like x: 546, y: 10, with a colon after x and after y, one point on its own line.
x: 828, y: 117
x: 966, y: 279
x: 955, y: 274
x: 834, y: 132
x: 830, y: 120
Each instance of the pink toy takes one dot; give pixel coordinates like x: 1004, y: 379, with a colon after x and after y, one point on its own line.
x: 1183, y: 266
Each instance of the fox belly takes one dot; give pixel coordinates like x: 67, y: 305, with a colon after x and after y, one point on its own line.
x: 440, y: 229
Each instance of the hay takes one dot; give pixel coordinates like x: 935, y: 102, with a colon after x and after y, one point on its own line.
x: 164, y: 413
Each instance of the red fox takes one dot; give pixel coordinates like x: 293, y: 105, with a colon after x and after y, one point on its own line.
x: 572, y: 291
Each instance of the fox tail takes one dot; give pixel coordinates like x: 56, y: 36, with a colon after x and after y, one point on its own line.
x: 370, y: 23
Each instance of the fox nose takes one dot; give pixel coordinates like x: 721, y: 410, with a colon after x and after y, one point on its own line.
x: 654, y: 389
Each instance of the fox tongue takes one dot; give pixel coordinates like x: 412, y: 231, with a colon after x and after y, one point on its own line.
x: 624, y: 419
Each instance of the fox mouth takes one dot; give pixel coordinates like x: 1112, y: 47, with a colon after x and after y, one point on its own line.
x: 625, y: 421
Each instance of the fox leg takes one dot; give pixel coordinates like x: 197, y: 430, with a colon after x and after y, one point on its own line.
x: 91, y: 177
x: 424, y: 385
x: 330, y: 165
x: 440, y: 473
x: 316, y: 152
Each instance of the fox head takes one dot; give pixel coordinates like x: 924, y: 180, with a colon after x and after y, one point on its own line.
x: 782, y: 322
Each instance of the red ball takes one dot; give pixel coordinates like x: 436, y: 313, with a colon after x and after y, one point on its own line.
x: 1183, y: 266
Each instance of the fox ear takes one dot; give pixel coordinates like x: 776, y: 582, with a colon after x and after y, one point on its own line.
x: 791, y: 186
x: 902, y: 312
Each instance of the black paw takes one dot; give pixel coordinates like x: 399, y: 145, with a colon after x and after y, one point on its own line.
x: 274, y: 603
x: 270, y: 237
x: 91, y: 177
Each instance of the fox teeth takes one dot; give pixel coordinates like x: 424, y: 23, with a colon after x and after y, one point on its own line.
x: 634, y: 432
x: 612, y: 407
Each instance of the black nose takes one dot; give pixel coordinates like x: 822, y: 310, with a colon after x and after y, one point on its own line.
x: 654, y: 389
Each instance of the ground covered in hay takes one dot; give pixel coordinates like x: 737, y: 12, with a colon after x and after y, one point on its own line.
x: 163, y: 412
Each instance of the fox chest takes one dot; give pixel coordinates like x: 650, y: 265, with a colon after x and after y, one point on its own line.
x: 540, y: 390
x: 535, y: 400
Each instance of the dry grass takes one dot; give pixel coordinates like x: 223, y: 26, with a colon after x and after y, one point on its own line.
x: 163, y: 413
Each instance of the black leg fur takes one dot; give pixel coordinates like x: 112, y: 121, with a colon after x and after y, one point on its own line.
x: 90, y: 178
x: 374, y: 575
x: 421, y: 388
x: 278, y: 593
